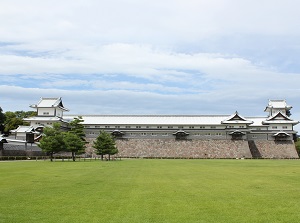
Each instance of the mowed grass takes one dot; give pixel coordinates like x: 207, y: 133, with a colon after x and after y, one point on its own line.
x: 150, y: 191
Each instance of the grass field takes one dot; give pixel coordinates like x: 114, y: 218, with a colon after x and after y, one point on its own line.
x: 150, y: 191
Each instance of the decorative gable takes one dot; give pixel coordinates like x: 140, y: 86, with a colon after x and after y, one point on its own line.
x: 236, y: 119
x: 279, y: 117
x: 181, y: 134
x: 281, y: 136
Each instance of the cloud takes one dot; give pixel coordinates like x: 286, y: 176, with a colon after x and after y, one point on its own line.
x: 150, y: 57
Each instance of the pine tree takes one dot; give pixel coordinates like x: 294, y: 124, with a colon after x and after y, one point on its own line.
x: 73, y: 143
x: 52, y: 140
x: 105, y: 144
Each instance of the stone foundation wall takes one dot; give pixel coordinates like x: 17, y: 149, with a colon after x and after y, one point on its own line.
x: 183, y: 148
x: 171, y: 148
x: 273, y: 149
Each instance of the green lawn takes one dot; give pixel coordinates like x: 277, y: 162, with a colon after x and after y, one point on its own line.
x: 150, y: 191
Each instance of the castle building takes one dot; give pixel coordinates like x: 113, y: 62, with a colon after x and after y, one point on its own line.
x: 176, y: 132
x: 49, y: 111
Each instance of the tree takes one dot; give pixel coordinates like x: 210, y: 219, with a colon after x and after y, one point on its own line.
x: 297, y: 144
x: 25, y: 114
x: 2, y: 119
x: 73, y: 143
x: 14, y: 119
x: 105, y: 144
x: 77, y: 127
x: 52, y: 140
x: 2, y: 116
x: 11, y: 121
x: 76, y: 134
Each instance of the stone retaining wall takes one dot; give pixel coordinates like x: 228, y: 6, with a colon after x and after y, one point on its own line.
x: 183, y: 148
x: 171, y: 148
x: 273, y: 149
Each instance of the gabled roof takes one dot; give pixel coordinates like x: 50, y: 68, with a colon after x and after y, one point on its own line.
x: 277, y: 104
x: 117, y: 132
x: 3, y: 140
x: 281, y: 134
x: 181, y: 133
x: 279, y: 118
x: 236, y: 118
x: 23, y: 128
x: 50, y: 102
x: 237, y: 132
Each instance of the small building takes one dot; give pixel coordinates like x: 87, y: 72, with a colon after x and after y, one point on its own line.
x: 22, y: 131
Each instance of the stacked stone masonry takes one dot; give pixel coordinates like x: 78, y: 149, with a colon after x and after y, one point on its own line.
x: 171, y: 148
x: 183, y: 148
x: 273, y: 149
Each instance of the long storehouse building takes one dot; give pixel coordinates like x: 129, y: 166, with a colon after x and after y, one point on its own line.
x: 189, y: 136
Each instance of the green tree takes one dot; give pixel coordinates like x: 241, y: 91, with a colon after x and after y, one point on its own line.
x: 73, y: 143
x: 14, y: 119
x: 77, y: 127
x: 25, y: 114
x: 2, y: 119
x: 105, y: 144
x: 11, y: 121
x: 297, y: 143
x: 52, y: 140
x: 2, y: 116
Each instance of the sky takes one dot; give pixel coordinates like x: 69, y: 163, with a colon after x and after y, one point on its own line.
x: 151, y: 57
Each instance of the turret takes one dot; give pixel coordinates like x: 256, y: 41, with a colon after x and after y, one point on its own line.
x: 276, y: 106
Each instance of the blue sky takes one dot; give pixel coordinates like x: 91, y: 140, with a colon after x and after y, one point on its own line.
x: 150, y: 57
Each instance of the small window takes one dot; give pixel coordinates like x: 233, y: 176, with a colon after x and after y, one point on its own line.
x: 207, y: 134
x: 170, y: 127
x: 45, y: 113
x: 254, y: 136
x: 138, y: 127
x: 127, y: 127
x: 117, y: 127
x: 284, y: 127
x: 153, y: 134
x: 143, y: 134
x: 165, y: 134
x: 218, y: 134
x: 213, y: 127
x: 197, y: 134
x: 191, y: 127
x: 241, y: 126
x: 107, y: 126
x: 202, y: 127
x: 159, y: 127
x: 274, y: 127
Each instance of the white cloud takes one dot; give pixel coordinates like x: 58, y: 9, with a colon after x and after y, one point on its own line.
x: 141, y: 56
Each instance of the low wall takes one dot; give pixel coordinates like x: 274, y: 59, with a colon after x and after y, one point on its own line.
x: 11, y: 149
x: 183, y: 148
